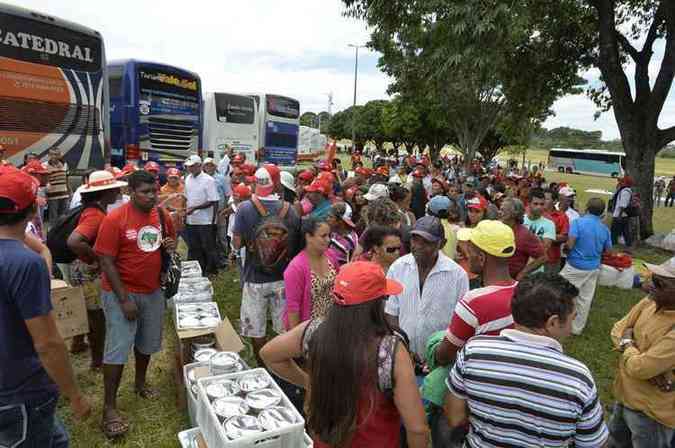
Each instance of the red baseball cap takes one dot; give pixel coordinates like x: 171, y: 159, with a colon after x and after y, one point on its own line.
x: 237, y: 159
x: 128, y: 169
x: 320, y: 186
x: 35, y: 167
x: 361, y: 171
x: 242, y: 191
x: 19, y: 188
x: 478, y: 202
x: 326, y: 176
x: 151, y: 166
x: 382, y: 171
x: 275, y: 173
x: 306, y: 176
x: 363, y: 281
x: 172, y: 172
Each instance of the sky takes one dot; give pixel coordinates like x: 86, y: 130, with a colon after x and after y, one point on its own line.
x: 297, y: 48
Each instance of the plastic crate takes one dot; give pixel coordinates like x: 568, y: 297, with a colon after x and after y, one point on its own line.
x: 292, y: 436
x: 186, y: 437
x: 190, y: 398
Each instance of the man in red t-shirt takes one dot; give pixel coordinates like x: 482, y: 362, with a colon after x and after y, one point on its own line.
x: 562, y: 227
x: 485, y: 310
x: 100, y: 191
x: 128, y: 246
x: 530, y: 254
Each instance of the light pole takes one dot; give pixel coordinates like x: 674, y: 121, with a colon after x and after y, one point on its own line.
x: 356, y: 75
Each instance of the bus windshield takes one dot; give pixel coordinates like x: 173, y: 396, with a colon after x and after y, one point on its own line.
x: 280, y: 106
x: 169, y: 91
x: 51, y: 90
x: 236, y: 109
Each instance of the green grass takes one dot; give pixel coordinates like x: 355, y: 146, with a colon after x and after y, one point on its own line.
x: 155, y: 424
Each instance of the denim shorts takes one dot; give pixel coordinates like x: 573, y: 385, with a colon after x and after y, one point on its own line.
x: 145, y: 333
x: 32, y: 425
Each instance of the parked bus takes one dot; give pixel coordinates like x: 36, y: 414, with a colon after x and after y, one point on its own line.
x: 279, y: 118
x: 155, y: 112
x: 231, y: 120
x: 52, y: 89
x: 587, y: 161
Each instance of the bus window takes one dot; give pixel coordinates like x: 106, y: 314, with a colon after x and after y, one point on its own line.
x: 283, y: 107
x: 235, y: 109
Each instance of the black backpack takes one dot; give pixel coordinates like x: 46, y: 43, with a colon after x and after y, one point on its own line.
x: 57, y: 237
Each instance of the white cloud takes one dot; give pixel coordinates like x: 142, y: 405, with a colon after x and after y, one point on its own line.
x: 294, y: 47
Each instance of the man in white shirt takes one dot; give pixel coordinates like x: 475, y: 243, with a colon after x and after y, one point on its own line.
x: 432, y: 285
x: 566, y: 196
x: 202, y: 202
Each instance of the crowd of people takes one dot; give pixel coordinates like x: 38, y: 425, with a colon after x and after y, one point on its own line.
x: 413, y: 301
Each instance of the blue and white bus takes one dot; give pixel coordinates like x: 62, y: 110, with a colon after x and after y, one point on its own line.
x: 279, y: 121
x: 587, y: 161
x: 155, y: 112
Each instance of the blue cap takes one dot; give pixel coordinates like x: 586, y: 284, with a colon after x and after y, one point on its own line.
x: 430, y: 228
x: 438, y: 204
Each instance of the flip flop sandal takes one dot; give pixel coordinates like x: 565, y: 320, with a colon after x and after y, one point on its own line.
x: 114, y: 428
x: 148, y: 393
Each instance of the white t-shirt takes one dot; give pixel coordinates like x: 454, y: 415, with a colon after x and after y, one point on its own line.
x: 572, y: 214
x: 622, y: 201
x: 199, y: 190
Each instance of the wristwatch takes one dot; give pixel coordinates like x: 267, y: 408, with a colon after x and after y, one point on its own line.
x: 625, y: 342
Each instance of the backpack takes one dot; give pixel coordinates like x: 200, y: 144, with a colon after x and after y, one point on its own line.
x: 270, y: 246
x: 634, y: 204
x: 57, y: 237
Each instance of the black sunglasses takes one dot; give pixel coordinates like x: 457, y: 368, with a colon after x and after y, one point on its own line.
x: 391, y: 250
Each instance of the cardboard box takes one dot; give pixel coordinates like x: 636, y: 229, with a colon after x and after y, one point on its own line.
x: 70, y: 309
x: 226, y: 337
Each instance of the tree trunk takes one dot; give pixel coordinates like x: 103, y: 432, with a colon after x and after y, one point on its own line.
x: 640, y: 165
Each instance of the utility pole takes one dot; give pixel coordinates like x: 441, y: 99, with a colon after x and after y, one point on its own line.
x: 356, y: 75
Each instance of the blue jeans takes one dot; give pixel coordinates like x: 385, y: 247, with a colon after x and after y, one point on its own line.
x: 633, y: 429
x: 32, y: 426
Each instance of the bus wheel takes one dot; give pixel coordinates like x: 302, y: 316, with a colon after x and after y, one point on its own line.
x: 561, y: 169
x: 569, y: 170
x: 615, y: 175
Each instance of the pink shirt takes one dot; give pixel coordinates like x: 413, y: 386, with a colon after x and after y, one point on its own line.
x: 298, y: 286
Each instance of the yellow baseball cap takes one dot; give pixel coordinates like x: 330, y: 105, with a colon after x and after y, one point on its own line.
x: 493, y: 237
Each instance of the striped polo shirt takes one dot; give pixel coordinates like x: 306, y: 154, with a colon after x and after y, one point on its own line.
x: 58, y: 181
x: 523, y: 392
x: 484, y: 310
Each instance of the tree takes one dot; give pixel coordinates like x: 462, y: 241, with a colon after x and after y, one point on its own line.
x: 308, y: 119
x: 476, y: 62
x: 619, y: 25
x: 369, y: 123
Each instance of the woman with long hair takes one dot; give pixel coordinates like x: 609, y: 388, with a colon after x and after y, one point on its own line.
x: 309, y: 277
x: 360, y: 381
x: 381, y: 245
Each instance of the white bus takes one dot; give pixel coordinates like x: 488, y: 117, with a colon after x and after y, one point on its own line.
x: 231, y: 120
x: 279, y: 121
x: 586, y: 161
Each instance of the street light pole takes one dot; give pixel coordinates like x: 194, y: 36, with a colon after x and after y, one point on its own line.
x: 356, y: 75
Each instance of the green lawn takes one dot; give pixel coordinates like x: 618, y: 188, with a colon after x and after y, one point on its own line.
x: 155, y: 424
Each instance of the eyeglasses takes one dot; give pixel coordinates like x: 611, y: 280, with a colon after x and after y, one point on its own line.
x: 391, y: 250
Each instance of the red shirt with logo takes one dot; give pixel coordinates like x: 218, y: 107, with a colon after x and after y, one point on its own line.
x: 562, y: 226
x: 134, y: 239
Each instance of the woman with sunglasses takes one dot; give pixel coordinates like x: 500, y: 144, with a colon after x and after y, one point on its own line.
x: 381, y: 245
x: 357, y: 395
